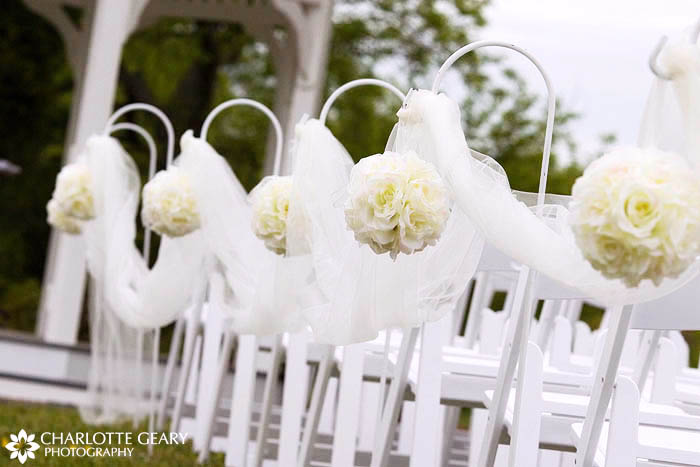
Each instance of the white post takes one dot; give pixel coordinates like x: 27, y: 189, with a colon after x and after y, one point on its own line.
x: 311, y: 72
x: 64, y: 279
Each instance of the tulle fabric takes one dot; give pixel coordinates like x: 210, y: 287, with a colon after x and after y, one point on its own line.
x: 354, y: 293
x: 672, y: 117
x: 545, y: 243
x: 261, y: 296
x: 124, y: 295
x: 141, y: 297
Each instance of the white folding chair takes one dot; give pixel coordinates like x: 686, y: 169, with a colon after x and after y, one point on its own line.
x: 626, y: 442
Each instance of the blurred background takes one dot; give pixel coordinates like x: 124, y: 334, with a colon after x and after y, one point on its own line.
x: 595, y: 52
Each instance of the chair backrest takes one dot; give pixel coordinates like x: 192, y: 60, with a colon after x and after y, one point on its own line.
x: 493, y: 259
x: 677, y: 310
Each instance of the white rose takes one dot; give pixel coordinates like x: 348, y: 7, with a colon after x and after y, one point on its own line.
x: 169, y: 204
x: 635, y: 214
x: 397, y: 203
x: 73, y: 192
x: 58, y: 219
x: 270, y: 201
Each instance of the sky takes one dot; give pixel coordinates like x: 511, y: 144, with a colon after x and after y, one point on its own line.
x: 596, y: 53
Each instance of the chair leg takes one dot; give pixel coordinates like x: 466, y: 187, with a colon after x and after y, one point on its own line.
x: 647, y: 352
x: 527, y: 418
x: 169, y: 369
x: 349, y: 405
x: 518, y: 329
x: 312, y: 418
x: 270, y: 384
x: 620, y: 318
x: 191, y: 333
x: 449, y: 430
x: 140, y: 386
x: 397, y: 388
x: 294, y: 393
x: 154, y: 384
x: 210, y: 415
x: 242, y: 398
x: 429, y: 421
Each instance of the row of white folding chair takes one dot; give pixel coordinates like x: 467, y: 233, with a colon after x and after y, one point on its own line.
x: 345, y: 450
x: 285, y: 386
x: 465, y: 376
x: 207, y: 346
x: 203, y: 343
x: 556, y: 408
x: 657, y: 417
x: 546, y: 289
x: 298, y: 356
x: 540, y: 407
x: 625, y: 442
x: 425, y: 378
x: 675, y: 311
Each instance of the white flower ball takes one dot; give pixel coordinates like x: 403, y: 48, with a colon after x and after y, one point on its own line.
x: 58, y: 219
x: 73, y: 192
x: 679, y: 58
x: 635, y: 214
x: 169, y: 205
x: 398, y: 203
x: 270, y: 201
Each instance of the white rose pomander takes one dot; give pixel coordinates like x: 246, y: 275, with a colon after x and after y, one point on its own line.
x: 635, y: 214
x: 72, y: 200
x: 398, y: 203
x: 270, y: 200
x: 73, y: 192
x: 169, y: 205
x: 58, y: 219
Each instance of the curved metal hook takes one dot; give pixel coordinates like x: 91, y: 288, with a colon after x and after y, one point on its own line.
x: 551, y: 99
x: 353, y: 84
x: 695, y: 32
x: 153, y: 156
x: 257, y: 105
x: 653, y: 59
x: 152, y: 151
x: 158, y: 113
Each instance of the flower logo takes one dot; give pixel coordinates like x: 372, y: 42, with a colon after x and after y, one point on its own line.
x: 22, y: 446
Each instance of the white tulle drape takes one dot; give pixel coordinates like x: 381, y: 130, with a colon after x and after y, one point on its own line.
x: 125, y: 295
x: 543, y: 243
x: 262, y: 286
x: 672, y: 115
x: 354, y: 293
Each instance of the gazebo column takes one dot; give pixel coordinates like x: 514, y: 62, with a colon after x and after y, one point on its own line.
x: 286, y: 73
x: 64, y: 277
x: 312, y: 31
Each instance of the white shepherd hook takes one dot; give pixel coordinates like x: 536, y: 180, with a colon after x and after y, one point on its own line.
x: 111, y: 127
x: 158, y: 113
x: 257, y: 105
x: 654, y: 57
x: 551, y: 99
x: 351, y: 85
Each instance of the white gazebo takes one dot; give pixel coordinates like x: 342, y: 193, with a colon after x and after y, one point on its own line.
x: 94, y: 51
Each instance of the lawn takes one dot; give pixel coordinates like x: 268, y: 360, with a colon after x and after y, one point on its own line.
x: 38, y: 419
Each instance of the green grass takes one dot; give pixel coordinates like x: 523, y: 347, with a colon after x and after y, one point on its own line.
x: 38, y: 419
